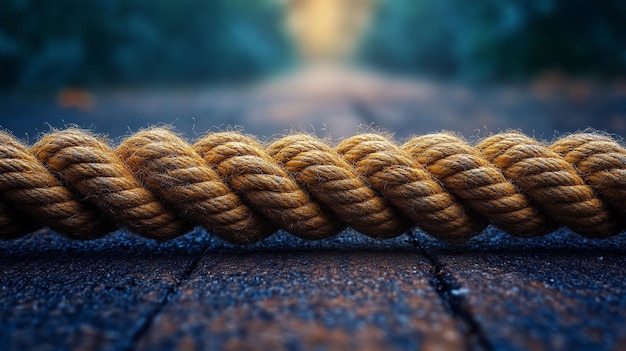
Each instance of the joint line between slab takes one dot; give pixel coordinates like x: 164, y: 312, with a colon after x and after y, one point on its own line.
x: 149, y: 320
x: 443, y: 283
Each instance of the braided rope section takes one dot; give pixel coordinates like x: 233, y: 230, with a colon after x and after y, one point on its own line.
x: 157, y: 185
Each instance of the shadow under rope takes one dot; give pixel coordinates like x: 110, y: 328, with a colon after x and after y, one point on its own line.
x: 491, y: 241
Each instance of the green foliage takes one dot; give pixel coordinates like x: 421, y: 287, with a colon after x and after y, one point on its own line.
x: 48, y: 44
x: 496, y: 39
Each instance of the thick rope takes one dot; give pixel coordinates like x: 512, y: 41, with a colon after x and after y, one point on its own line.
x: 157, y: 185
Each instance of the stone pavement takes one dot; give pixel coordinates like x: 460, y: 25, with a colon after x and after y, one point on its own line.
x: 123, y: 292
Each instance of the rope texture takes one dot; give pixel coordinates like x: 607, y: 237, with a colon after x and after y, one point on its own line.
x: 159, y: 186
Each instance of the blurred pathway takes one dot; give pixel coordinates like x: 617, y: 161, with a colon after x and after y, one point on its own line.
x: 332, y: 103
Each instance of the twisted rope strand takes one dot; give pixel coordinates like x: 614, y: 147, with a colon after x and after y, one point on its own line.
x: 35, y: 192
x: 551, y: 181
x: 335, y: 184
x: 159, y: 186
x: 89, y: 167
x: 408, y: 186
x: 174, y: 172
x: 480, y: 185
x: 252, y: 174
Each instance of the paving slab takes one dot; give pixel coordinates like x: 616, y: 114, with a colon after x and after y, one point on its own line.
x: 561, y: 292
x: 58, y: 294
x: 123, y: 292
x: 329, y: 298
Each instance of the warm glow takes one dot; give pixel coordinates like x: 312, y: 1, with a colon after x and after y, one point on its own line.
x: 328, y: 29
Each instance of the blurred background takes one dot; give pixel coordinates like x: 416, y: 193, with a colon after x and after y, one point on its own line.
x: 330, y: 67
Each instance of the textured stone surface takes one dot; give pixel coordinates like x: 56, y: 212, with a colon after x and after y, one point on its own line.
x: 561, y: 292
x: 303, y: 300
x: 99, y: 295
x: 497, y: 292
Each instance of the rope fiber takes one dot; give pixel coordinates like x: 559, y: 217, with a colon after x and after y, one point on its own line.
x: 157, y: 185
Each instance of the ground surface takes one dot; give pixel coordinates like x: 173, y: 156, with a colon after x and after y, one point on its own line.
x: 561, y: 292
x: 122, y: 292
